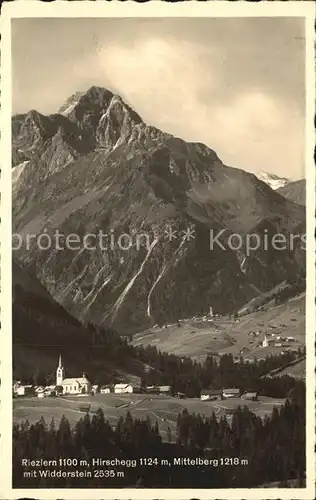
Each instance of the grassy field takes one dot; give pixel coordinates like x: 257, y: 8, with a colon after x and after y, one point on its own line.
x: 162, y: 409
x: 198, y: 338
x: 189, y: 339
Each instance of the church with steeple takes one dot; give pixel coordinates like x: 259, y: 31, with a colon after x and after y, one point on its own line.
x: 78, y: 385
x: 60, y: 372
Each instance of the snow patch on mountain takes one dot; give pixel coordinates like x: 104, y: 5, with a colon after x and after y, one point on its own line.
x: 273, y: 180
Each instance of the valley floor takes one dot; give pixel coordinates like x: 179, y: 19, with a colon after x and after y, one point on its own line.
x: 162, y: 409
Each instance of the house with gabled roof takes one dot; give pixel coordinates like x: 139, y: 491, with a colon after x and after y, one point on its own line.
x: 211, y: 394
x: 250, y: 396
x: 231, y: 393
x: 123, y: 388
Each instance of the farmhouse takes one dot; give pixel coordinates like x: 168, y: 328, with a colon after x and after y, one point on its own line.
x: 231, y: 393
x: 250, y: 396
x: 105, y: 389
x: 42, y: 392
x: 164, y: 389
x: 211, y: 394
x: 123, y: 389
x: 23, y: 390
x: 180, y: 395
x: 80, y: 385
x: 16, y: 385
x: 50, y: 390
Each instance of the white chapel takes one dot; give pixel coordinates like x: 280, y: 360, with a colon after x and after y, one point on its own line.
x: 80, y: 385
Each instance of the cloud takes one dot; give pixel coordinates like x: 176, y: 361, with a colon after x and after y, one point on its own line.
x: 228, y: 83
x: 179, y: 87
x: 157, y: 76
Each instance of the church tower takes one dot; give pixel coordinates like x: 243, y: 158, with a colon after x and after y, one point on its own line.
x: 265, y: 342
x: 60, y: 372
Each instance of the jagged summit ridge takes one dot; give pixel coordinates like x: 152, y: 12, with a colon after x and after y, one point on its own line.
x: 96, y: 118
x: 93, y: 96
x: 96, y: 102
x: 87, y: 120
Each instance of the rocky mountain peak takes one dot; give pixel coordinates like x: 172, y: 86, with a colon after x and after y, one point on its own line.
x: 94, y: 99
x: 34, y: 119
x: 103, y: 117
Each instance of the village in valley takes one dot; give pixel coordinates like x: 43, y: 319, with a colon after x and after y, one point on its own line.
x: 220, y: 373
x: 76, y: 396
x: 271, y: 329
x: 253, y: 344
x: 81, y: 386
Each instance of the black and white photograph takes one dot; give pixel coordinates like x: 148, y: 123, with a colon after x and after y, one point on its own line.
x: 157, y: 272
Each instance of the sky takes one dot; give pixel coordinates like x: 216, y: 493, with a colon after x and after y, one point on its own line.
x: 234, y: 84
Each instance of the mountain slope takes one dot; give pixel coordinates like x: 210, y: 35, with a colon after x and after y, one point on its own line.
x: 295, y: 191
x: 42, y: 330
x: 96, y: 166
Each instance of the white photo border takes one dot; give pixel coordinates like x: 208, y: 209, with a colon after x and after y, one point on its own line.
x: 77, y: 9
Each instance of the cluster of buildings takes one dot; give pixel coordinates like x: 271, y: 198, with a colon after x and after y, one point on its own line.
x: 213, y: 394
x: 163, y: 390
x: 122, y: 388
x: 209, y: 317
x: 160, y: 390
x: 282, y: 344
x: 40, y: 391
x: 74, y: 386
x: 274, y: 340
x: 81, y: 385
x: 20, y: 389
